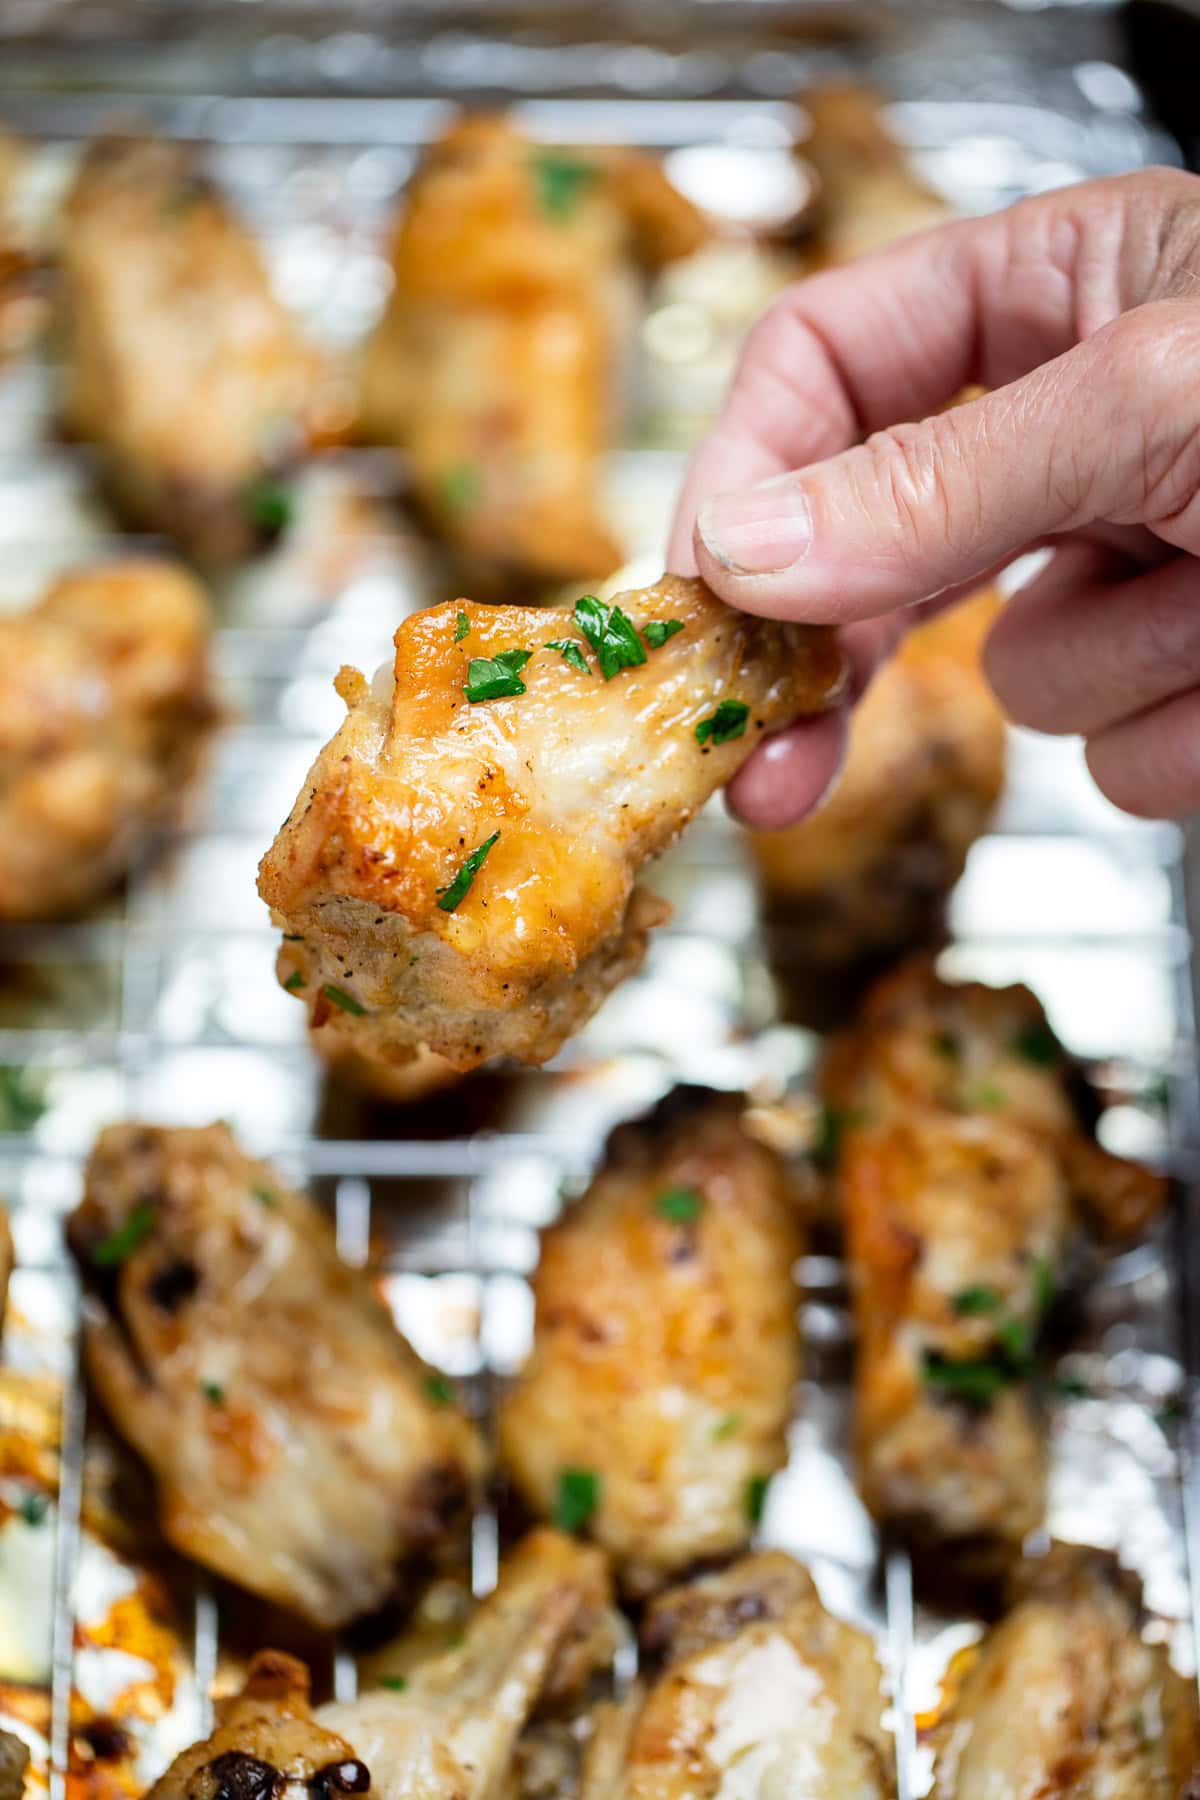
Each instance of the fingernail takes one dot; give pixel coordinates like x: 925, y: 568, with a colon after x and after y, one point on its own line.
x: 759, y: 530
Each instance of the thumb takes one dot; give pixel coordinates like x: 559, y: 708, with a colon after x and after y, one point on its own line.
x: 1110, y: 430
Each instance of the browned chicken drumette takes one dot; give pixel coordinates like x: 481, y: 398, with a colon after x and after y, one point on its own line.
x: 300, y: 1447
x: 666, y: 1350
x: 105, y: 705
x: 14, y: 1760
x: 181, y: 366
x: 963, y: 1175
x: 458, y: 872
x: 495, y: 364
x: 869, y: 194
x: 1065, y: 1700
x: 763, y: 1694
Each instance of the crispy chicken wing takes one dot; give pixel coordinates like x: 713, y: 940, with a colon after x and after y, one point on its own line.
x: 14, y: 1760
x: 1065, y: 1701
x: 666, y: 1345
x: 869, y: 194
x: 764, y: 1694
x: 495, y: 363
x: 181, y: 365
x: 871, y: 869
x: 458, y: 871
x: 299, y: 1447
x: 105, y: 704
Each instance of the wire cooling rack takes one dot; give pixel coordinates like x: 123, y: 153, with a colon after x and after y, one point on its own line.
x: 164, y: 1004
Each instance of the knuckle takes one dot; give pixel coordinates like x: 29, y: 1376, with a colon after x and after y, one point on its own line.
x: 910, y: 476
x: 1149, y: 360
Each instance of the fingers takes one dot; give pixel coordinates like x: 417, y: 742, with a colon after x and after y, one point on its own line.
x: 790, y: 773
x: 1150, y: 765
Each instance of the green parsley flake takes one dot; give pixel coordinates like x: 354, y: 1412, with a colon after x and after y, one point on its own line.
x: 579, y: 1492
x: 214, y: 1393
x: 395, y: 1684
x: 985, y: 1095
x: 977, y: 1382
x: 268, y: 504
x: 439, y: 1391
x: 294, y: 982
x: 727, y: 723
x: 461, y: 487
x: 571, y: 651
x: 461, y: 627
x: 832, y: 1126
x: 612, y: 635
x: 22, y: 1098
x: 339, y: 997
x: 560, y: 182
x: 1044, y: 1284
x: 725, y: 1428
x: 460, y: 887
x: 1037, y: 1044
x: 973, y: 1301
x: 756, y: 1498
x: 658, y: 631
x: 264, y: 1196
x: 682, y: 1206
x: 114, y: 1250
x: 496, y: 677
x: 1015, y: 1337
x: 33, y: 1508
x: 1071, y: 1387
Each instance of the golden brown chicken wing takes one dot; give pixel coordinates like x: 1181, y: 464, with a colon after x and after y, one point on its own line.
x: 495, y: 364
x: 1065, y: 1701
x: 105, y: 704
x: 299, y: 1446
x: 869, y: 194
x: 764, y: 1693
x: 666, y: 1346
x: 458, y: 872
x: 869, y: 872
x: 14, y: 1760
x: 181, y: 366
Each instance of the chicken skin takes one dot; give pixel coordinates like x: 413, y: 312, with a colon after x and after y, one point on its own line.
x: 105, y: 707
x: 962, y: 1176
x: 1065, y: 1701
x: 300, y: 1447
x: 666, y: 1348
x: 869, y: 872
x: 869, y: 195
x: 458, y: 871
x: 181, y: 366
x: 495, y: 364
x: 764, y: 1693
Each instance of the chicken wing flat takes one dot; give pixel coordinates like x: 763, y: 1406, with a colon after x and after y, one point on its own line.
x: 458, y: 871
x: 495, y: 363
x: 764, y: 1693
x: 105, y: 706
x: 869, y: 872
x: 869, y: 194
x: 181, y: 366
x: 1065, y: 1701
x: 666, y: 1345
x: 300, y: 1447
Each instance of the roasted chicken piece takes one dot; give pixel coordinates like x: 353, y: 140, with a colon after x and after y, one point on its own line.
x: 764, y: 1693
x: 869, y: 194
x: 495, y: 364
x: 181, y: 366
x: 23, y: 294
x: 962, y: 1173
x: 1064, y: 1700
x: 870, y: 871
x: 655, y: 1402
x: 105, y: 705
x: 458, y: 871
x: 14, y: 1760
x: 299, y: 1445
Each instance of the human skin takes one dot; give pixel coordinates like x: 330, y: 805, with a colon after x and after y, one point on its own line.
x: 815, y: 498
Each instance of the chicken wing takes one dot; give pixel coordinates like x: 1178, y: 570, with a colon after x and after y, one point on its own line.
x: 181, y: 366
x: 764, y: 1693
x: 14, y: 1760
x: 1065, y: 1701
x: 869, y: 872
x: 23, y: 295
x: 495, y: 364
x: 105, y: 705
x: 666, y: 1346
x: 300, y: 1448
x: 869, y: 194
x: 458, y: 871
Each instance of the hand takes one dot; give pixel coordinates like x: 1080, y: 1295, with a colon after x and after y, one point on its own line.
x: 1080, y: 312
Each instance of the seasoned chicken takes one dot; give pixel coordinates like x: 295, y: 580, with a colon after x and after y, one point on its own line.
x: 401, y: 1084
x: 870, y: 870
x: 14, y: 1760
x: 869, y: 194
x: 300, y: 1447
x: 961, y: 1173
x: 764, y: 1694
x: 458, y: 871
x: 666, y: 1348
x: 495, y: 364
x: 181, y: 366
x: 105, y: 705
x: 1065, y: 1701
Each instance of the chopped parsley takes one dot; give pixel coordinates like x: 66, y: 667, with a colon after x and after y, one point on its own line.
x: 33, y: 1508
x: 725, y: 1428
x: 1015, y: 1337
x: 973, y: 1301
x: 1037, y: 1044
x: 985, y: 1095
x: 122, y: 1243
x: 658, y: 631
x: 756, y: 1498
x: 612, y: 635
x: 496, y: 677
x: 268, y: 504
x: 727, y: 723
x: 461, y: 627
x: 264, y: 1196
x: 395, y: 1684
x: 560, y: 182
x: 681, y: 1205
x: 294, y: 982
x: 1072, y: 1387
x: 578, y: 1497
x: 22, y: 1098
x: 339, y: 997
x: 460, y: 887
x: 947, y: 1045
x: 214, y: 1393
x: 1043, y: 1284
x: 977, y: 1382
x: 461, y: 487
x: 832, y: 1126
x: 439, y: 1391
x: 571, y: 651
